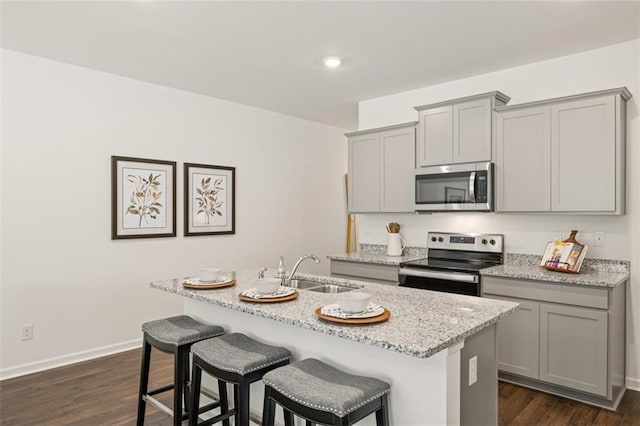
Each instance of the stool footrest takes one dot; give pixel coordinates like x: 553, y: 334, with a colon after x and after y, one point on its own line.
x: 218, y: 418
x: 160, y: 390
x: 159, y: 405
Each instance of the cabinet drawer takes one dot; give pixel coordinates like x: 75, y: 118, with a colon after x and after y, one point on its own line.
x: 548, y: 292
x: 365, y: 270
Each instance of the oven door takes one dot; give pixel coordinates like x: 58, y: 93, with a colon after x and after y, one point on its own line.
x: 437, y: 280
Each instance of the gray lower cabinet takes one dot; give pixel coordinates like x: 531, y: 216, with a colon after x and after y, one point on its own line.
x: 567, y: 340
x: 381, y: 274
x: 564, y: 155
x: 573, y: 347
x: 381, y: 169
x: 522, y: 332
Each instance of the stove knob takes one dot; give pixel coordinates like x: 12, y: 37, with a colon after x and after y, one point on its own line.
x: 484, y: 241
x: 434, y: 239
x: 492, y: 242
x: 440, y: 239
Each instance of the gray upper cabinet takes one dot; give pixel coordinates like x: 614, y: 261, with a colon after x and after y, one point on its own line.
x: 435, y: 136
x: 523, y: 160
x: 381, y: 169
x: 457, y: 131
x: 562, y: 155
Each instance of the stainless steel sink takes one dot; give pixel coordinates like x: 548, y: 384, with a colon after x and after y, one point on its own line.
x: 330, y: 288
x: 303, y: 284
x: 320, y: 287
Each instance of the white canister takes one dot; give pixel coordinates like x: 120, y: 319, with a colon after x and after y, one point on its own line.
x: 396, y: 244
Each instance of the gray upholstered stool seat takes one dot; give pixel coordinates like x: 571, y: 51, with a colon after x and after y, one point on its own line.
x: 238, y: 359
x: 173, y: 335
x: 180, y: 330
x: 324, y: 394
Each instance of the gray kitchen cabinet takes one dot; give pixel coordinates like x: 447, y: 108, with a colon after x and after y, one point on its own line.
x: 523, y: 160
x: 562, y: 155
x: 381, y: 169
x: 521, y: 332
x: 457, y: 131
x: 573, y: 347
x: 374, y: 272
x: 567, y: 340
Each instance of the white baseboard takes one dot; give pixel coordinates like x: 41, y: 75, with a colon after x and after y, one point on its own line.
x: 34, y: 367
x: 633, y: 383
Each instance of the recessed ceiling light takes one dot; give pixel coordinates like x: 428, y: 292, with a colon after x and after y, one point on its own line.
x: 332, y: 61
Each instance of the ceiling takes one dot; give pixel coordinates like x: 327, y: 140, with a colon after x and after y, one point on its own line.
x: 267, y: 54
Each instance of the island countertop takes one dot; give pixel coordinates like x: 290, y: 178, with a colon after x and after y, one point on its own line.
x: 422, y: 322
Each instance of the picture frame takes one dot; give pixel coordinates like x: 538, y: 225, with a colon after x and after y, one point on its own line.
x: 454, y: 195
x: 143, y: 198
x: 209, y: 199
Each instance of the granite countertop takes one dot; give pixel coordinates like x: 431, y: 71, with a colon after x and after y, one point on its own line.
x: 594, y: 272
x: 422, y: 322
x: 377, y: 254
x: 378, y: 259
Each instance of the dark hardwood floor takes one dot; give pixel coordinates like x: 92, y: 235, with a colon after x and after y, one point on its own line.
x: 104, y: 392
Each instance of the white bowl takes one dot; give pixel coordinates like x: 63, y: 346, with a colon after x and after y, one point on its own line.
x: 209, y: 274
x: 353, y: 302
x: 267, y: 285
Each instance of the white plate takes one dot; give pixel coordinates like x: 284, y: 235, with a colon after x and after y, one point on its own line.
x: 281, y: 292
x: 333, y: 310
x: 198, y: 281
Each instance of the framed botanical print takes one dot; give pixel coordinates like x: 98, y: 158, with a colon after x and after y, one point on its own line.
x: 143, y: 198
x: 209, y: 199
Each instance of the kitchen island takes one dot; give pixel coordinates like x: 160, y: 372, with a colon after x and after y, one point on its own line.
x: 418, y: 350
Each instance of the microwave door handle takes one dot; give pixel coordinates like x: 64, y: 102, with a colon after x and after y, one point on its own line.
x: 472, y: 186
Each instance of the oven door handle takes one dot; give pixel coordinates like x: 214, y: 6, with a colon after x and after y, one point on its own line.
x: 450, y: 276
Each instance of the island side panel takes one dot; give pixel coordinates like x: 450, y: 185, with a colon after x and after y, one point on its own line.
x: 418, y: 385
x: 479, y: 401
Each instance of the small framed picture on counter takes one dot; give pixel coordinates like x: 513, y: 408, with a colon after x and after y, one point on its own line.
x: 143, y: 198
x: 209, y: 199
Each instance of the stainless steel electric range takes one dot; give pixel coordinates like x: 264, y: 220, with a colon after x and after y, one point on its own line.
x: 453, y: 262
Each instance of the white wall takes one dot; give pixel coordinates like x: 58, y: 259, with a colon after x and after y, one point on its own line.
x: 84, y: 293
x: 609, y: 67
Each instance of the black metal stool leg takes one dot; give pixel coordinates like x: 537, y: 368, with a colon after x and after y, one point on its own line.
x: 196, y: 378
x: 185, y: 383
x: 224, y: 402
x: 243, y: 412
x: 144, y: 381
x: 178, y: 381
x: 288, y: 417
x: 382, y: 415
x: 268, y: 409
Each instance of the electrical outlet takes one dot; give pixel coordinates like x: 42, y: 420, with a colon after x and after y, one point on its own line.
x: 599, y: 239
x: 557, y: 235
x: 27, y: 332
x: 473, y: 370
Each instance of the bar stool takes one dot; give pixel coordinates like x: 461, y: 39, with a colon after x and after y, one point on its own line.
x: 320, y: 393
x: 234, y: 358
x: 172, y: 335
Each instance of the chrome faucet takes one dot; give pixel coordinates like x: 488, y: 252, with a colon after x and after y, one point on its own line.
x: 295, y: 267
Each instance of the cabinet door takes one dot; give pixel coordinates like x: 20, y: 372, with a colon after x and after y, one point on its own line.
x: 472, y: 131
x: 364, y: 173
x: 583, y: 167
x: 398, y: 178
x: 435, y: 137
x: 573, y: 347
x: 518, y: 334
x: 523, y: 160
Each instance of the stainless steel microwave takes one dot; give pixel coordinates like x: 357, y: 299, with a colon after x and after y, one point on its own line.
x: 463, y: 187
